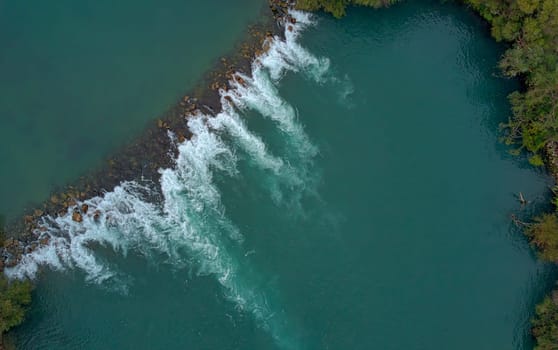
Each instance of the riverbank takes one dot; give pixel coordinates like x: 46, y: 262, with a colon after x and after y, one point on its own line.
x: 15, y: 297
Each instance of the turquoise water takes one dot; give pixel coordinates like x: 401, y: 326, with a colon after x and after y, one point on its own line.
x: 353, y: 195
x: 81, y: 78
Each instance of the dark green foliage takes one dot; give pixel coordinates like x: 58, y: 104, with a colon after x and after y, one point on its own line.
x: 15, y: 296
x: 545, y: 325
x: 337, y: 7
x: 532, y: 26
x: 543, y: 234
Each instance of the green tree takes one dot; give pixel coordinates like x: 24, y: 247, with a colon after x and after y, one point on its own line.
x: 543, y: 234
x: 337, y: 7
x: 545, y: 325
x: 15, y: 297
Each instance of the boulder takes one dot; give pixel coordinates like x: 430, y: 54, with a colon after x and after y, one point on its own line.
x: 76, y: 216
x: 44, y: 241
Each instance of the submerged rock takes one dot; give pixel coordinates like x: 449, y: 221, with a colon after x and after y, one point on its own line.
x: 76, y: 216
x: 54, y: 199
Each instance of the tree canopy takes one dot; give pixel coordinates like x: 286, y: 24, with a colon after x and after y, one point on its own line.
x: 545, y: 325
x: 15, y: 296
x: 337, y: 7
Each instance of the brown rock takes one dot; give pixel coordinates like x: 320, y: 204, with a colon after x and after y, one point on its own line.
x: 10, y: 243
x: 84, y: 208
x: 76, y: 216
x: 240, y: 80
x: 44, y: 241
x: 31, y: 247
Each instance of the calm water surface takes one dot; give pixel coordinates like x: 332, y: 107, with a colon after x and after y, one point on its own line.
x: 81, y: 78
x: 376, y: 216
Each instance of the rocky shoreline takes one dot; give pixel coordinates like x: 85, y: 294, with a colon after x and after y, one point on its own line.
x: 155, y: 148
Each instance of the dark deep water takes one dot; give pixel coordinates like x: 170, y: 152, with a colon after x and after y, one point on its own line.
x: 356, y: 198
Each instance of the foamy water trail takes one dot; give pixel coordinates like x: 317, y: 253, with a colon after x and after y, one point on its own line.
x: 184, y: 218
x: 289, y: 55
x: 230, y: 121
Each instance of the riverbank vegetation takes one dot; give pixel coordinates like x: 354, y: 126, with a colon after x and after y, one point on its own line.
x: 15, y: 297
x: 337, y: 7
x: 545, y: 325
x: 531, y: 29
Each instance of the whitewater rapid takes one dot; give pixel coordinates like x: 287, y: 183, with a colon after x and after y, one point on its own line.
x: 188, y: 224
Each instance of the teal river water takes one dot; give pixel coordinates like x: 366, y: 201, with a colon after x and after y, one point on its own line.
x: 81, y: 78
x: 353, y: 195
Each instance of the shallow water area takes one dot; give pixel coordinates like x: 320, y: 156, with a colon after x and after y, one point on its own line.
x: 351, y: 195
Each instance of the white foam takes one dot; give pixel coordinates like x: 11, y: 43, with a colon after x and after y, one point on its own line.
x: 260, y: 92
x: 289, y: 55
x: 252, y: 144
x: 189, y: 223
